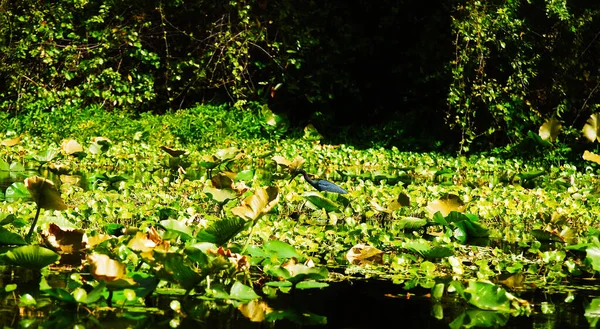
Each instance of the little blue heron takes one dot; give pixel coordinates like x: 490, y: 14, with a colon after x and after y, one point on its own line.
x: 320, y: 185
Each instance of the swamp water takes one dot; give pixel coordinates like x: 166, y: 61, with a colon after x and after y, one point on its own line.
x: 356, y: 304
x: 350, y: 304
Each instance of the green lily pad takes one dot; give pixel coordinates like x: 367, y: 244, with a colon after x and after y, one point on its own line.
x: 176, y: 228
x: 411, y: 223
x: 16, y: 191
x: 33, y: 257
x: 311, y: 284
x: 487, y: 296
x: 221, y: 231
x: 242, y: 292
x: 10, y: 238
x: 281, y: 249
x: 318, y: 201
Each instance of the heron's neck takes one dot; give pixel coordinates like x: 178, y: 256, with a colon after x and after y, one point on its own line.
x: 305, y: 175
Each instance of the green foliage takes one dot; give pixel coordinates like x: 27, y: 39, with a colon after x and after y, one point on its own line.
x: 516, y: 64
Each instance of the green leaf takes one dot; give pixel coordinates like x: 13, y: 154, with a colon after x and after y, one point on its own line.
x: 10, y: 238
x: 411, y: 223
x: 245, y: 175
x: 311, y: 284
x: 222, y: 231
x: 279, y: 284
x: 242, y: 292
x: 61, y: 295
x: 4, y: 166
x: 220, y: 195
x: 487, y: 296
x: 593, y: 255
x: 33, y: 257
x: 17, y: 190
x: 176, y: 228
x: 318, y: 201
x: 281, y: 249
x: 96, y: 293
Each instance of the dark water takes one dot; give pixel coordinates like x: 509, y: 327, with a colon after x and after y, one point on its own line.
x: 358, y: 304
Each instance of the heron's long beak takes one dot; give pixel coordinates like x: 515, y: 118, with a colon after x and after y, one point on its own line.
x: 294, y: 174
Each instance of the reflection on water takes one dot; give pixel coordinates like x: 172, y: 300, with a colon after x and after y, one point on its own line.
x: 358, y: 304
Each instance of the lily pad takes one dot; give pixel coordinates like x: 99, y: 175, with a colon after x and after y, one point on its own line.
x: 221, y: 231
x: 44, y: 193
x: 33, y: 257
x: 318, y: 201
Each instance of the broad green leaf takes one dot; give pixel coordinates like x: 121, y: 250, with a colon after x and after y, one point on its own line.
x: 279, y: 284
x: 33, y: 257
x: 242, y: 292
x: 10, y: 238
x: 245, y: 175
x: 80, y: 295
x: 16, y: 167
x: 297, y: 272
x: 61, y: 295
x: 411, y: 223
x: 221, y: 231
x: 593, y: 255
x: 177, y: 270
x: 531, y: 174
x: 487, y: 296
x: 6, y: 219
x: 550, y: 130
x: 592, y: 312
x: 176, y: 228
x: 318, y: 201
x: 311, y: 284
x: 17, y: 190
x: 220, y: 195
x: 46, y: 155
x: 281, y: 249
x: 96, y: 293
x: 4, y: 166
x: 44, y: 193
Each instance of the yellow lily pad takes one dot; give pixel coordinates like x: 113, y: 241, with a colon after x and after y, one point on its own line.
x: 44, y: 193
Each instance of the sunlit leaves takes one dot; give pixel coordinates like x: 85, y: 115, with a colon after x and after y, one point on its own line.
x: 292, y: 165
x: 589, y: 156
x: 258, y: 204
x: 44, y: 193
x: 102, y: 267
x: 550, y: 129
x: 255, y: 310
x: 362, y: 254
x: 11, y: 141
x: 445, y: 205
x: 71, y: 147
x: 591, y: 129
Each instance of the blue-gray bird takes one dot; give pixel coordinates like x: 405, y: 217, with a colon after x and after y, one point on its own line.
x: 320, y: 185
